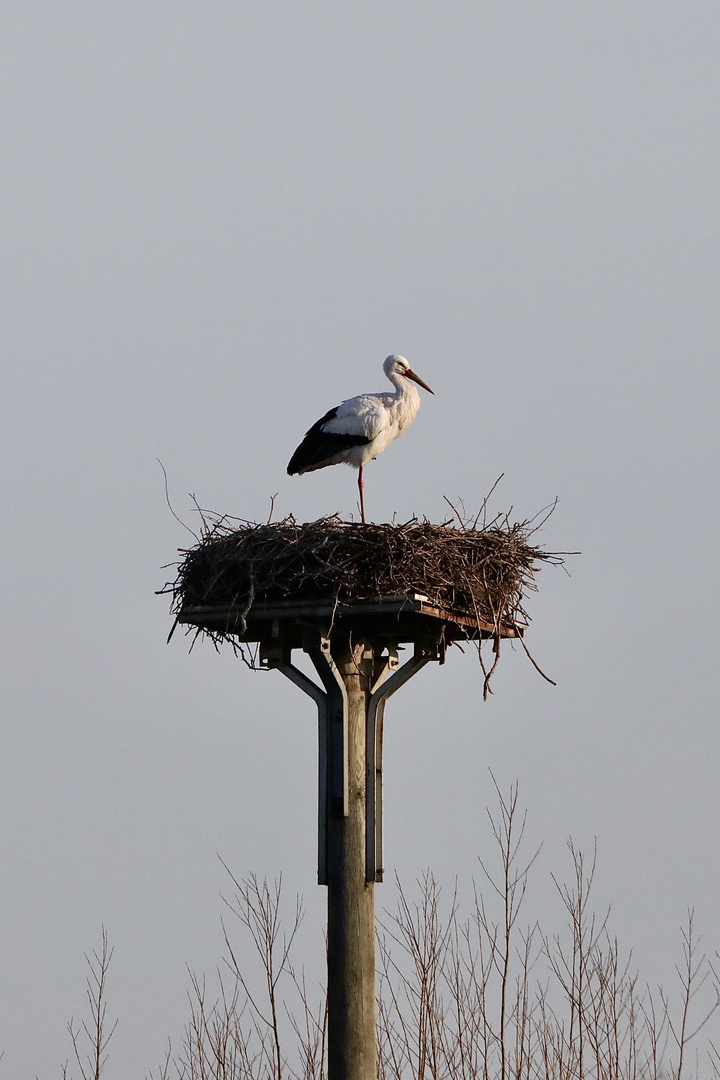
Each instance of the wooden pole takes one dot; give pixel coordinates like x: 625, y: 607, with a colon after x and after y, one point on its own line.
x: 352, y: 1051
x: 357, y: 680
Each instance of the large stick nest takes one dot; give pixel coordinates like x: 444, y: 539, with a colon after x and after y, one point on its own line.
x: 484, y: 573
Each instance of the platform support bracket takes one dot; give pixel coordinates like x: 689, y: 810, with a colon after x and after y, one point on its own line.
x: 332, y: 705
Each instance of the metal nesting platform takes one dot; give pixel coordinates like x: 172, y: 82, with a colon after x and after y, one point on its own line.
x: 407, y: 618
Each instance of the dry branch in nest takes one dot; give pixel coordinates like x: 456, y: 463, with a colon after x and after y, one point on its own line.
x: 485, y: 573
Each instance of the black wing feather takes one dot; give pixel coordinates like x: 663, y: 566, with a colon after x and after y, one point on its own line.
x: 319, y: 445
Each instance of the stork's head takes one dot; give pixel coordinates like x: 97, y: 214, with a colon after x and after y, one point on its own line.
x: 397, y: 365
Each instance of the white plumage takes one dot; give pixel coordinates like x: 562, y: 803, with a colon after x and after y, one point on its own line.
x: 360, y: 428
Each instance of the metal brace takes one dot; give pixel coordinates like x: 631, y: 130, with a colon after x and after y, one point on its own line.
x: 333, y: 796
x: 332, y: 706
x: 390, y: 680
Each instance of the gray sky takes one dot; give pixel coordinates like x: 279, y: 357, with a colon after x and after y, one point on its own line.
x: 218, y: 219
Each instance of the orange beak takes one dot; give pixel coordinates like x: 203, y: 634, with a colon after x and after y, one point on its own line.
x: 416, y: 378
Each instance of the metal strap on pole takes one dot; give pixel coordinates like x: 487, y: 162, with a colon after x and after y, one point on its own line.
x: 391, y: 679
x: 337, y: 749
x: 332, y: 733
x: 333, y: 795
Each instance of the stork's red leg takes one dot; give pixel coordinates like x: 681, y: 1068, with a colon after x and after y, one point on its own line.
x: 361, y: 488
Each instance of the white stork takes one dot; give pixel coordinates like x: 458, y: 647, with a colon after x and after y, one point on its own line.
x: 359, y: 429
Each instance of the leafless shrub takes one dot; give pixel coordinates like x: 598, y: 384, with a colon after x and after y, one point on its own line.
x: 463, y: 1007
x: 694, y: 972
x: 90, y: 1038
x: 479, y: 997
x: 487, y: 998
x: 413, y: 1025
x: 241, y: 1034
